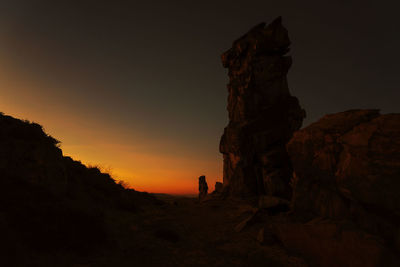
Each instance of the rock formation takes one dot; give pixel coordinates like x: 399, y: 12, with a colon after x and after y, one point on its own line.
x: 332, y: 244
x: 203, y: 187
x: 218, y: 187
x: 339, y: 176
x: 347, y: 168
x: 262, y: 114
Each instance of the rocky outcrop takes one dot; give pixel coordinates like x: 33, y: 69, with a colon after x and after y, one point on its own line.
x: 337, y: 179
x: 203, y: 188
x: 218, y: 188
x: 262, y: 114
x: 347, y: 167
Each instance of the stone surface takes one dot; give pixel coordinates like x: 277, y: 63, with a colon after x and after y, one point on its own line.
x: 331, y: 244
x: 248, y: 220
x: 203, y: 188
x: 218, y: 187
x: 266, y: 202
x: 266, y: 237
x: 262, y: 114
x: 347, y: 166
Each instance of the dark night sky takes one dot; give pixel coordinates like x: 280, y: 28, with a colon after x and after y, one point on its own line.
x: 121, y: 82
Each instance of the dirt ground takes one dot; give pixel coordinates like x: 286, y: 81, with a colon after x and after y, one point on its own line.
x: 185, y: 232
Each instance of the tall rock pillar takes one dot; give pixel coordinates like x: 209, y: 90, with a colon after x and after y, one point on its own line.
x: 262, y: 114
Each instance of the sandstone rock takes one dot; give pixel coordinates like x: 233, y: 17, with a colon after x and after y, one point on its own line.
x: 260, y: 235
x: 246, y: 208
x: 218, y: 187
x: 239, y: 227
x: 332, y: 244
x: 271, y: 256
x: 262, y: 113
x: 347, y: 166
x: 266, y: 202
x: 369, y: 165
x: 203, y: 187
x: 266, y: 237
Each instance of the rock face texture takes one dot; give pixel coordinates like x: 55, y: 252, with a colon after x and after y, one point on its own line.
x: 347, y: 167
x: 262, y: 114
x: 332, y: 244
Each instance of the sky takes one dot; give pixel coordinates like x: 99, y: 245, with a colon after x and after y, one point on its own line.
x: 138, y: 88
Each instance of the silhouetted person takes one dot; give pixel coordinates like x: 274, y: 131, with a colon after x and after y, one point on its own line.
x: 203, y: 187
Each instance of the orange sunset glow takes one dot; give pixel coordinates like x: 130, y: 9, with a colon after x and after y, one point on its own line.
x: 145, y: 164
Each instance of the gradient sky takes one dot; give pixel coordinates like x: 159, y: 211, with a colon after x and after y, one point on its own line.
x: 138, y: 88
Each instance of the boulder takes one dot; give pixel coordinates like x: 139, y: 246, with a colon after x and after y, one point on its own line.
x: 247, y: 221
x: 218, y: 187
x: 267, y: 202
x: 347, y: 166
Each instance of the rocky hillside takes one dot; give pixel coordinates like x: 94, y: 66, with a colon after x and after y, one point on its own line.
x: 51, y: 203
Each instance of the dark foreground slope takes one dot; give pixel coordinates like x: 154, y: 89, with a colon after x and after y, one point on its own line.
x: 53, y: 206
